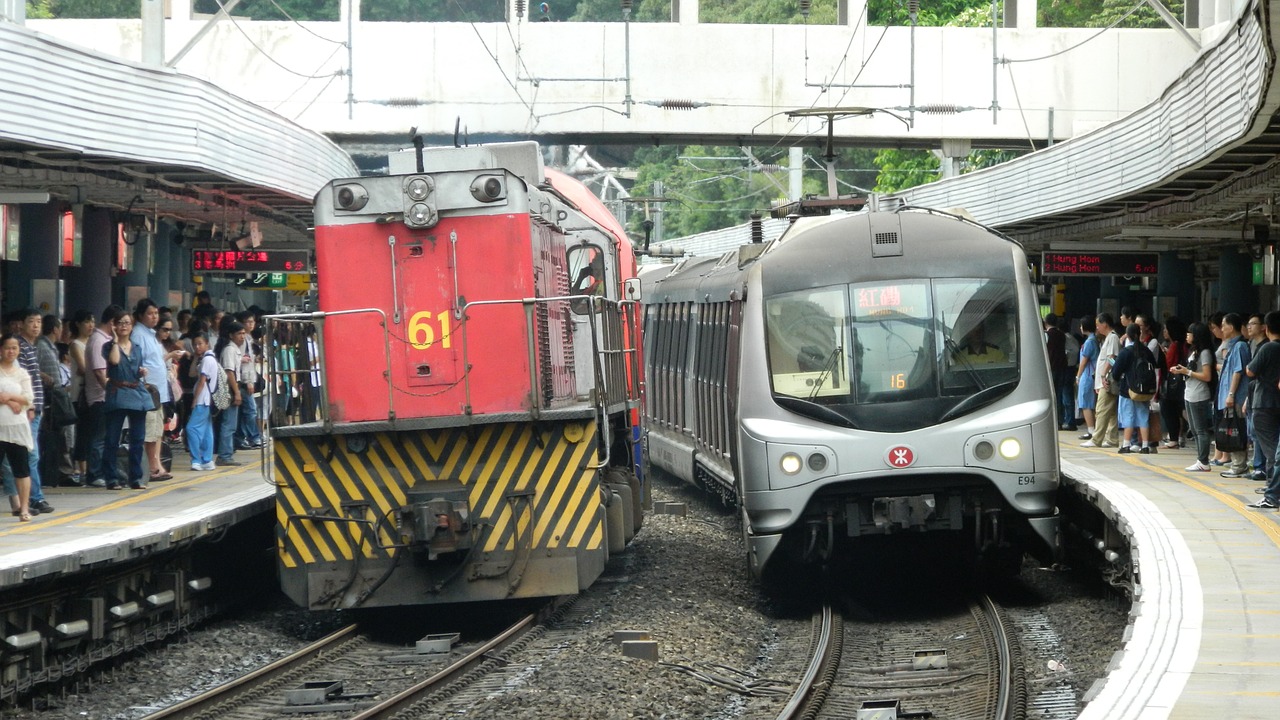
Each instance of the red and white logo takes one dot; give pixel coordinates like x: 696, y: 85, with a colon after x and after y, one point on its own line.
x: 900, y: 456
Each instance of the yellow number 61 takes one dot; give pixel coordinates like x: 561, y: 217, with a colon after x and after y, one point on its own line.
x: 422, y: 333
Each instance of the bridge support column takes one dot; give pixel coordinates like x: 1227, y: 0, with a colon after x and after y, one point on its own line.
x: 14, y: 11
x: 851, y: 12
x: 684, y: 12
x: 1020, y: 14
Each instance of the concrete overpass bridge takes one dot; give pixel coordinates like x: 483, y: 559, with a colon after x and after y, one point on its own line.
x: 365, y: 84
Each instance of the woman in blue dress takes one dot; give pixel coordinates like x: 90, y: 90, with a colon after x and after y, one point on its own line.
x: 1086, y: 397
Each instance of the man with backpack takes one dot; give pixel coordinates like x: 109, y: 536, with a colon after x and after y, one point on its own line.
x: 1134, y: 372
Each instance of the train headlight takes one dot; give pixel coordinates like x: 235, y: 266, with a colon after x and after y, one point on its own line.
x: 791, y: 463
x: 1010, y: 448
x: 487, y: 188
x: 350, y: 197
x: 984, y: 450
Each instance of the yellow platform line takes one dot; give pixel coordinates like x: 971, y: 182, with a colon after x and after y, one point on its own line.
x: 132, y: 497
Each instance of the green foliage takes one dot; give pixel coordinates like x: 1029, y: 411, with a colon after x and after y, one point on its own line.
x: 1102, y: 13
x: 436, y: 10
x: 611, y: 10
x: 38, y: 9
x: 901, y: 169
x: 276, y: 9
x: 93, y: 9
x: 932, y: 12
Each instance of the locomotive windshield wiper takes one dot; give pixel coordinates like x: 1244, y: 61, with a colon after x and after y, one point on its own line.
x: 978, y: 399
x: 814, y: 410
x: 827, y: 368
x: 954, y: 349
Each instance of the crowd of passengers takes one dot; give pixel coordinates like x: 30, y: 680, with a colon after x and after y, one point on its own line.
x: 1211, y: 377
x: 75, y: 392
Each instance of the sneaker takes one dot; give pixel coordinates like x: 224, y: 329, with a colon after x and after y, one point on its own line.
x: 1088, y: 443
x: 1086, y: 436
x: 1258, y: 475
x: 1146, y: 450
x: 1218, y: 463
x: 1106, y: 445
x: 1197, y: 466
x: 1125, y: 450
x: 138, y: 486
x: 1233, y: 474
x: 219, y: 462
x: 1259, y: 491
x: 98, y: 483
x: 43, y: 506
x: 1169, y: 445
x: 1263, y: 504
x: 1154, y: 451
x: 208, y: 466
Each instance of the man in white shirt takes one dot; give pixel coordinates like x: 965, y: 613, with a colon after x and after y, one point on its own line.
x: 1106, y: 429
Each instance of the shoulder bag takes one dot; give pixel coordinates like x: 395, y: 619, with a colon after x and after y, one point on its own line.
x: 1229, y: 435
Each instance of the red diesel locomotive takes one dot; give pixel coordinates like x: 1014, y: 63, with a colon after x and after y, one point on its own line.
x: 472, y: 380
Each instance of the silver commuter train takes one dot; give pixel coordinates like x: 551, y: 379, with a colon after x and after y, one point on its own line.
x: 862, y: 375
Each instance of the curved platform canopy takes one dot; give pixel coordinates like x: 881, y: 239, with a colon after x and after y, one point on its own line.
x: 1184, y: 169
x: 88, y: 128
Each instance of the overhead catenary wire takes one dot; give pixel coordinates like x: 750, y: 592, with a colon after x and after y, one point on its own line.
x: 289, y: 17
x: 268, y: 56
x: 1091, y: 38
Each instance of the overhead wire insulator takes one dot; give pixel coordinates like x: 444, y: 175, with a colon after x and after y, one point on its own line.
x: 626, y: 5
x: 677, y: 104
x: 519, y: 8
x: 913, y: 10
x: 939, y: 109
x: 806, y: 5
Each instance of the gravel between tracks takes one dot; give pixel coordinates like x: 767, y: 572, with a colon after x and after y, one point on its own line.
x: 682, y: 579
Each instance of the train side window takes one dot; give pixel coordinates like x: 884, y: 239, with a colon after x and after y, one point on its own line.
x: 586, y: 270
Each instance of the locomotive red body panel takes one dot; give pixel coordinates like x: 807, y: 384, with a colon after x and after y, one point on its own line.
x: 475, y: 258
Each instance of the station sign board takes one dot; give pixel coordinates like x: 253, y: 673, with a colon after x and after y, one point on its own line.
x: 1099, y: 263
x: 216, y: 262
x: 293, y: 282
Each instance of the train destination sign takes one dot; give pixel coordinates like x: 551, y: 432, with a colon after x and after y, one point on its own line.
x: 1099, y: 263
x: 250, y: 261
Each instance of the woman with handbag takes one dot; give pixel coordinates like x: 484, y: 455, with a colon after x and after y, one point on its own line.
x: 127, y: 400
x: 1199, y: 370
x: 16, y: 442
x: 82, y: 326
x: 1173, y: 394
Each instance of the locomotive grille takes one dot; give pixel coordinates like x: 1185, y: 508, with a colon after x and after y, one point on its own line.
x: 885, y: 244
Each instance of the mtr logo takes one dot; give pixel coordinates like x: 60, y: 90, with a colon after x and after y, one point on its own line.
x: 899, y: 456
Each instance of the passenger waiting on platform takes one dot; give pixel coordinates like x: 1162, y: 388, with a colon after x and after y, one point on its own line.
x: 50, y: 440
x: 146, y: 316
x: 96, y: 394
x: 1264, y: 398
x: 1233, y: 387
x: 1220, y: 349
x: 82, y: 326
x: 1055, y: 345
x: 183, y: 319
x: 127, y: 401
x: 1150, y: 330
x: 199, y: 427
x: 1134, y: 413
x: 189, y: 371
x: 30, y: 324
x: 1172, y: 394
x: 1086, y: 396
x: 1067, y: 392
x: 1255, y: 332
x: 230, y: 357
x: 1107, y: 431
x: 248, y: 436
x: 16, y: 442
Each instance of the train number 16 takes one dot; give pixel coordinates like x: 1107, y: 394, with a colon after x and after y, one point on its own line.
x: 422, y: 331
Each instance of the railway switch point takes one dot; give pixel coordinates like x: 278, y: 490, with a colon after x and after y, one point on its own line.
x: 641, y: 649
x: 436, y: 644
x: 621, y: 636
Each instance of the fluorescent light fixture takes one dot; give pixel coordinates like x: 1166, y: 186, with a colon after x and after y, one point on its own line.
x: 23, y: 197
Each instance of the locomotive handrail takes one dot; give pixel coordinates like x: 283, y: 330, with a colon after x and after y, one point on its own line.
x: 318, y: 319
x: 529, y: 302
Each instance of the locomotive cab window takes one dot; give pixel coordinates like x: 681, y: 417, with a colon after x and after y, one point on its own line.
x: 808, y: 338
x: 978, y: 321
x: 586, y: 273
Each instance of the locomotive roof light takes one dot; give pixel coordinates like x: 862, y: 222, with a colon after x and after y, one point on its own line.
x: 418, y: 187
x: 421, y: 215
x: 1010, y: 448
x: 350, y: 197
x: 488, y: 188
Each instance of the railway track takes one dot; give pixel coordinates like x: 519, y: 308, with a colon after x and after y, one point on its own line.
x: 964, y: 666
x: 346, y: 674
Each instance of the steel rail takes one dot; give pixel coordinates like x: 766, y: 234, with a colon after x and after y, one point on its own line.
x: 805, y: 692
x: 246, y: 684
x: 1005, y: 705
x: 412, y: 694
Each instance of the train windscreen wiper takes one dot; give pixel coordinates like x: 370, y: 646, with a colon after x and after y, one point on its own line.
x: 827, y: 368
x: 968, y: 366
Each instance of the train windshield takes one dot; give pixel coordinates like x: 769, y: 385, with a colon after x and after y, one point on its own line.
x: 893, y: 355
